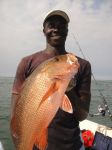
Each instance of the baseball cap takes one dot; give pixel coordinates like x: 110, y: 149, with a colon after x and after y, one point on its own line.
x: 57, y: 12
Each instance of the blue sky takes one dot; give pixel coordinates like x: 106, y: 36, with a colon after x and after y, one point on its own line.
x: 90, y: 22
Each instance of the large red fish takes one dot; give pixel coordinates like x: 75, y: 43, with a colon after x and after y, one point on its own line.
x: 42, y: 95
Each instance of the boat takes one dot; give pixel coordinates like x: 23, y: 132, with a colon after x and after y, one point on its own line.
x: 1, y: 146
x: 92, y: 126
x: 96, y: 136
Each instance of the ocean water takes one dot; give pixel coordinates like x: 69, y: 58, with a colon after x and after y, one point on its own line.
x: 5, y: 99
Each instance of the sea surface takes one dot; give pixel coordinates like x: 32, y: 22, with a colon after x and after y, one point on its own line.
x: 105, y: 88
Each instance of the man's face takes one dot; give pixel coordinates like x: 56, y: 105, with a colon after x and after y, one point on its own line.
x: 55, y: 30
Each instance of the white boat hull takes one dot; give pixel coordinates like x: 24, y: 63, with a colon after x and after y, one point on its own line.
x: 1, y: 146
x: 89, y: 125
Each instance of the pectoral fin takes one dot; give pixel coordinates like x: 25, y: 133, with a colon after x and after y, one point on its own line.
x: 66, y: 105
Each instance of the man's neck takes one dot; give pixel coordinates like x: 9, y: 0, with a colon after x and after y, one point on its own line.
x: 59, y: 50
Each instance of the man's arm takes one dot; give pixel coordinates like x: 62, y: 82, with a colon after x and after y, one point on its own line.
x: 17, y: 85
x: 80, y: 95
x: 14, y: 99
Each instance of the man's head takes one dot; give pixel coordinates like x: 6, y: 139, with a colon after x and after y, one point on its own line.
x: 55, y: 27
x: 57, y: 13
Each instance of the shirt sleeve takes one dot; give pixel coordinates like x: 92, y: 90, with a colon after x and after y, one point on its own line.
x: 80, y: 95
x: 19, y: 77
x: 83, y: 87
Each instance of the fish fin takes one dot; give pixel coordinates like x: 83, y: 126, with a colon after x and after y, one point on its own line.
x: 53, y: 88
x: 41, y: 142
x: 66, y: 105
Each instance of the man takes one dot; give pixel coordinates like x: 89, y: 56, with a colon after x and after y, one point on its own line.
x: 63, y: 132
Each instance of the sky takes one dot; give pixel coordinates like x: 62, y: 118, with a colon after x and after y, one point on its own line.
x: 90, y: 25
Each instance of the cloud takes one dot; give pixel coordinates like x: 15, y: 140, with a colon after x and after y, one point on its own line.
x: 21, y: 31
